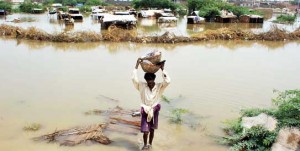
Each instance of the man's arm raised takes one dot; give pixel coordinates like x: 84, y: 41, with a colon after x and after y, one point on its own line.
x: 134, y: 76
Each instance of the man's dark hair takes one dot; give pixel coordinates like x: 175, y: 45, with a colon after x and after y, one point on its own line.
x: 149, y: 76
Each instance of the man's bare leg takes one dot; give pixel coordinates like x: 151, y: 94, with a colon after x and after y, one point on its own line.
x: 145, y: 138
x: 151, y: 137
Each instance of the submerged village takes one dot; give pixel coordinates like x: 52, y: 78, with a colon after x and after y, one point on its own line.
x: 66, y: 83
x: 204, y: 20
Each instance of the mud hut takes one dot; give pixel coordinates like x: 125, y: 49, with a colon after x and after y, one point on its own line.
x: 226, y: 17
x: 167, y: 18
x: 194, y: 18
x: 122, y: 21
x: 251, y: 19
x: 75, y: 14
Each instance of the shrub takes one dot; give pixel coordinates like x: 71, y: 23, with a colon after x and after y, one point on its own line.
x: 6, y: 6
x: 211, y: 8
x: 285, y: 19
x: 154, y: 4
x: 176, y: 115
x: 27, y: 7
x: 286, y: 111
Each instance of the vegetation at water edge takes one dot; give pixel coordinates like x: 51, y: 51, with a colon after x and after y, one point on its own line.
x: 285, y: 19
x: 286, y: 111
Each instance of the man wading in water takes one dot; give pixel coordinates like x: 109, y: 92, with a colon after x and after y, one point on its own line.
x: 150, y: 93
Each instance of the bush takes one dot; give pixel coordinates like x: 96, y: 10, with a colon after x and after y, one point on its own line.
x: 209, y: 12
x: 93, y: 2
x: 211, y: 8
x: 6, y: 6
x: 27, y: 7
x: 287, y: 112
x: 85, y: 8
x: 176, y: 115
x: 154, y: 4
x: 285, y: 19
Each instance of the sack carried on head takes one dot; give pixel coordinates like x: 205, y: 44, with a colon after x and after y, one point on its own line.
x: 151, y: 62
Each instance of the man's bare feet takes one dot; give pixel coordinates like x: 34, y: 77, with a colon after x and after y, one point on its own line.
x: 145, y: 147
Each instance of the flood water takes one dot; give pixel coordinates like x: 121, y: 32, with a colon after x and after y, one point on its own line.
x: 50, y: 24
x: 55, y: 83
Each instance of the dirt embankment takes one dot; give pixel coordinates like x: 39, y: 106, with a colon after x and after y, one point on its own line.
x: 120, y: 35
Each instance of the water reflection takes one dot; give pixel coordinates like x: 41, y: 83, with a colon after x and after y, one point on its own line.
x: 116, y: 47
x: 212, y: 78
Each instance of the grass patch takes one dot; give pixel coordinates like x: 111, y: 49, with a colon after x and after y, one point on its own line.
x: 176, y: 115
x: 32, y: 127
x: 285, y: 19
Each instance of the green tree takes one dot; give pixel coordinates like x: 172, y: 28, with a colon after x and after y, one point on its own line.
x: 211, y: 8
x: 6, y: 6
x: 69, y: 2
x: 154, y: 4
x: 93, y: 2
x: 28, y: 6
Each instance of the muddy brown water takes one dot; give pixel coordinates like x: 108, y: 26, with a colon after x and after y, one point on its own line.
x: 50, y: 24
x: 55, y: 83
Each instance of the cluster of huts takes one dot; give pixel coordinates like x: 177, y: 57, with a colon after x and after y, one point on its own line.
x: 128, y: 19
x: 124, y: 19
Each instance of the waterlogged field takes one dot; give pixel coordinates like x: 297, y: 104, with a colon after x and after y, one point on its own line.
x: 54, y: 84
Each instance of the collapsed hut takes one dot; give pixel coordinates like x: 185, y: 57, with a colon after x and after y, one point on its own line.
x: 251, y: 19
x: 226, y: 17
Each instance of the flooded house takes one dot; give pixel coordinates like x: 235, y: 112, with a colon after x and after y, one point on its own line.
x: 226, y: 17
x: 146, y: 13
x: 75, y: 14
x: 3, y: 12
x: 194, y: 18
x: 54, y: 8
x: 132, y: 12
x: 98, y: 13
x: 167, y: 18
x: 251, y: 19
x: 122, y: 21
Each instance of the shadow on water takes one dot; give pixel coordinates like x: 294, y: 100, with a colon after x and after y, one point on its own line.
x: 124, y: 143
x: 128, y: 46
